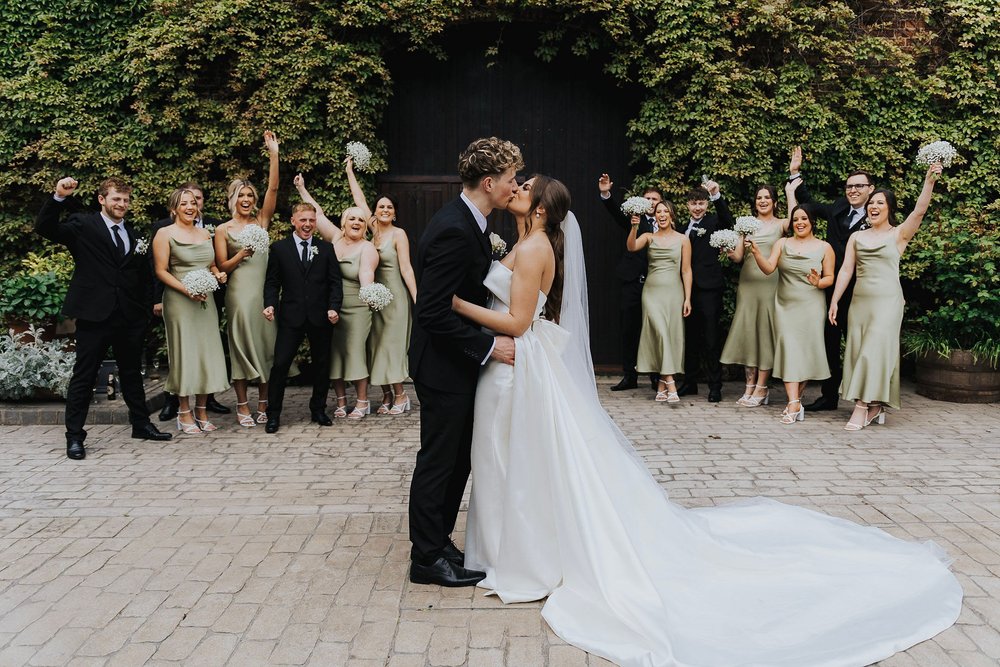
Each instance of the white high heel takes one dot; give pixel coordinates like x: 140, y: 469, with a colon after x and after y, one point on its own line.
x: 245, y: 420
x: 755, y: 401
x: 747, y: 394
x: 400, y: 408
x: 359, y: 412
x: 792, y: 417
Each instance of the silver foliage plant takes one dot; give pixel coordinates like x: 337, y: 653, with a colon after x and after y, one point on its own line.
x: 28, y: 363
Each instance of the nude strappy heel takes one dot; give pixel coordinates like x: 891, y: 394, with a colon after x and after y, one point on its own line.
x: 190, y: 429
x: 244, y: 419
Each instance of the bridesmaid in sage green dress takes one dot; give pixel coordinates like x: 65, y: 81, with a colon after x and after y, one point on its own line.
x: 349, y: 349
x: 666, y: 299
x: 750, y: 342
x: 804, y: 265
x: 194, y: 346
x: 251, y: 336
x: 390, y: 338
x: 871, y: 358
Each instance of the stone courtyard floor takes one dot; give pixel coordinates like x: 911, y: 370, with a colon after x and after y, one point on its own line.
x: 240, y: 548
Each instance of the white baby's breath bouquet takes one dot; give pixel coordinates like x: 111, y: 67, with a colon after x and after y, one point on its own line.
x: 359, y: 154
x: 724, y: 239
x: 376, y: 295
x: 498, y: 245
x: 636, y: 206
x: 141, y: 247
x: 746, y: 225
x: 200, y: 282
x: 937, y: 152
x: 254, y: 238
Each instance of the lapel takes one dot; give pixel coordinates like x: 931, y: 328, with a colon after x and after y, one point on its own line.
x: 107, y: 243
x: 130, y: 234
x: 484, y: 242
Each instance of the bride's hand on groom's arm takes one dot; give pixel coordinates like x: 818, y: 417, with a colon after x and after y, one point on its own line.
x: 503, y: 350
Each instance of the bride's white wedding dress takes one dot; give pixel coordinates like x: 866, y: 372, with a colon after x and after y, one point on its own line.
x: 562, y: 507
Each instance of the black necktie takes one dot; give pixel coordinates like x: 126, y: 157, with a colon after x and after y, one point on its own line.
x: 853, y: 218
x: 119, y: 241
x: 305, y: 252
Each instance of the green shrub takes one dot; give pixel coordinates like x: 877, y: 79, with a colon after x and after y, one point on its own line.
x: 36, y: 298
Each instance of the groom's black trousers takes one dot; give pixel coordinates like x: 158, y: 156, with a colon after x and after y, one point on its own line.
x: 442, y: 470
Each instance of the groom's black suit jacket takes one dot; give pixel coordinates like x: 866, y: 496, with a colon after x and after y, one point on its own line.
x: 102, y: 281
x: 836, y: 215
x: 453, y: 257
x: 302, y: 294
x: 705, y: 267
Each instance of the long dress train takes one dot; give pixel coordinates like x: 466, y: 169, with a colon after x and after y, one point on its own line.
x: 563, y: 507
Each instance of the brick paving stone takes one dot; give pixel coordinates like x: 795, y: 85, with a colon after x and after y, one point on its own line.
x: 245, y: 549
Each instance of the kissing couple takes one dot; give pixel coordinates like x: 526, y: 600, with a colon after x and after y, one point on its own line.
x: 563, y: 508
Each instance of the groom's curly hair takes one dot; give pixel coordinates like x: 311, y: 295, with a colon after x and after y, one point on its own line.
x: 488, y: 157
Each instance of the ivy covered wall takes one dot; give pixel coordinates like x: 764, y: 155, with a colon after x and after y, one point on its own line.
x: 162, y: 91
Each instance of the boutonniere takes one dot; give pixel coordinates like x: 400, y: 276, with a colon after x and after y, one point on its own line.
x: 313, y: 251
x: 498, y: 245
x: 211, y: 230
x: 141, y: 247
x: 700, y: 231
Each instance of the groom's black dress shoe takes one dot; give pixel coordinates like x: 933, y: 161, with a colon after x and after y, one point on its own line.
x: 149, y: 432
x: 714, y: 395
x: 626, y: 383
x: 170, y: 407
x: 321, y: 418
x: 821, y: 403
x: 273, y: 422
x: 453, y: 554
x: 444, y: 573
x: 75, y: 450
x: 213, y: 405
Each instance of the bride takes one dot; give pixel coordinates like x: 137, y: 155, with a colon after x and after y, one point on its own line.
x: 562, y: 507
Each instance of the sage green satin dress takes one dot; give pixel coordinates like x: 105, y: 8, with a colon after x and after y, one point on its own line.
x: 800, y: 317
x: 349, y: 349
x: 390, y: 337
x: 751, y: 335
x: 251, y: 337
x: 871, y: 358
x: 661, y: 343
x: 194, y: 344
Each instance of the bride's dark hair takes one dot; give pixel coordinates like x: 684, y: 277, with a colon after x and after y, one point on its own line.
x: 554, y: 197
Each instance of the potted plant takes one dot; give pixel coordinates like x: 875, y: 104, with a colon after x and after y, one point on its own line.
x: 31, y: 367
x: 953, y: 303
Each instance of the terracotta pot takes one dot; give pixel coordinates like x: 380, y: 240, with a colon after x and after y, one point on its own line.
x: 957, y: 378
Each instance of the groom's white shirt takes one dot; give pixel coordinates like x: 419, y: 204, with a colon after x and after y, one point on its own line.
x: 481, y: 221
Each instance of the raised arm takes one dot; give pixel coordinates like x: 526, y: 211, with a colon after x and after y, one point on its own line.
x: 767, y: 264
x: 47, y: 222
x: 632, y: 243
x: 910, y: 226
x: 405, y: 266
x: 843, y: 278
x: 356, y: 192
x: 271, y: 196
x: 790, y: 198
x: 528, y: 268
x: 327, y: 230
x: 687, y: 276
x: 604, y: 184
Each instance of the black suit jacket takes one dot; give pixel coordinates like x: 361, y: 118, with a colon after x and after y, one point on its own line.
x: 705, y: 268
x: 219, y: 294
x: 453, y: 257
x: 302, y: 294
x: 632, y: 265
x: 836, y: 215
x: 102, y: 281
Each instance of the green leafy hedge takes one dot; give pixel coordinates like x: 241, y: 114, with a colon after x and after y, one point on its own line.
x: 164, y: 90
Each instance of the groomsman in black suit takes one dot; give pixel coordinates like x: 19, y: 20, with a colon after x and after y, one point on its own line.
x: 446, y: 353
x: 631, y: 271
x: 303, y: 290
x: 844, y: 216
x: 702, y: 330
x: 110, y: 297
x: 170, y: 406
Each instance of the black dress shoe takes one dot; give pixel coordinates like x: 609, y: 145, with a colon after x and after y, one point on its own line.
x: 626, y: 383
x: 687, y: 389
x: 75, y: 450
x: 714, y: 395
x: 169, y: 410
x: 321, y: 418
x: 273, y: 422
x: 444, y: 573
x: 453, y: 554
x: 213, y: 405
x: 149, y: 432
x: 821, y: 403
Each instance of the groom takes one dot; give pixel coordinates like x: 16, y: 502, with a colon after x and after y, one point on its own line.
x: 446, y: 353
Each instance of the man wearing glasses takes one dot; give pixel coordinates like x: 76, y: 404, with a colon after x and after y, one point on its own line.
x: 844, y: 216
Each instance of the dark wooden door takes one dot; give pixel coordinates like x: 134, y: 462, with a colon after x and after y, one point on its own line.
x: 566, y: 116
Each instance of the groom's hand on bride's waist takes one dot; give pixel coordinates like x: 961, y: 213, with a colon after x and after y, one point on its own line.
x: 503, y: 350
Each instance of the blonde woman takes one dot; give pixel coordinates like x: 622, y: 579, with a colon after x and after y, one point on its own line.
x: 251, y: 337
x: 666, y: 299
